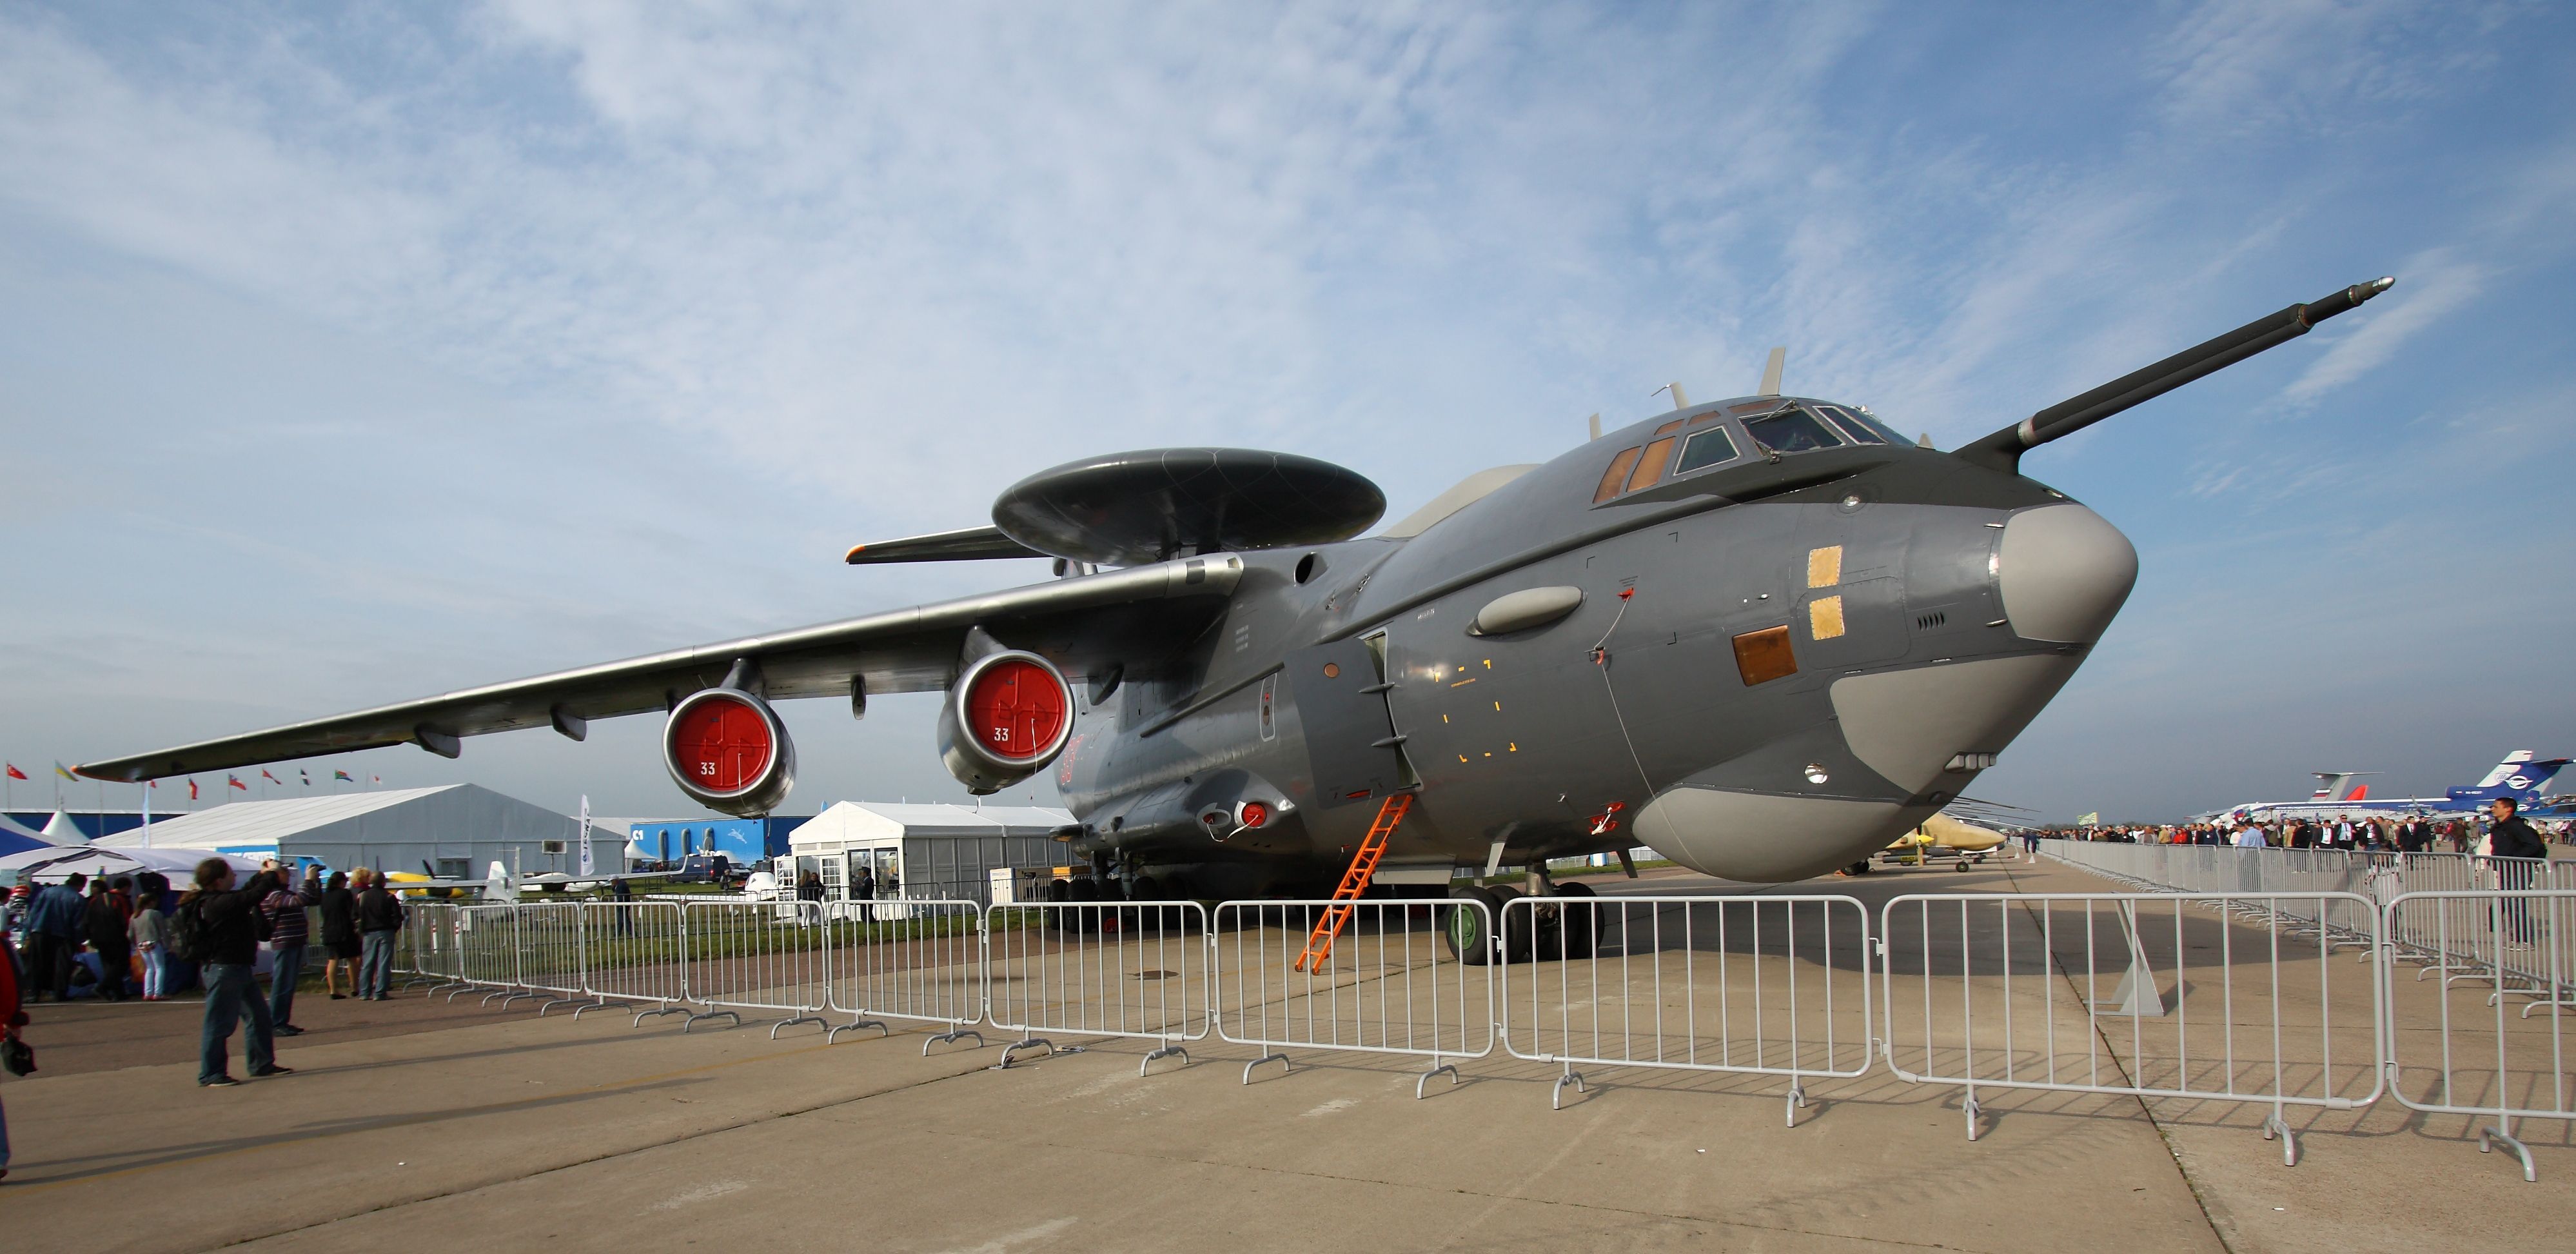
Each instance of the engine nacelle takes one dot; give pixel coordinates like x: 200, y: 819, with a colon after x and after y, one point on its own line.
x: 1005, y: 719
x: 728, y: 751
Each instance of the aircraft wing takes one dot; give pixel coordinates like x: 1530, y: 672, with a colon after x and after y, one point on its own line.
x: 1076, y: 623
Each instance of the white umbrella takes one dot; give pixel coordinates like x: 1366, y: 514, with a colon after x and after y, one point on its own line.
x: 54, y: 864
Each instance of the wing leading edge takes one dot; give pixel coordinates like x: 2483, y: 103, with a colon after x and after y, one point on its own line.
x: 1074, y: 622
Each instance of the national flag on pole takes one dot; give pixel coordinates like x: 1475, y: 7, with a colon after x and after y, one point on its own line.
x: 308, y: 778
x: 65, y: 771
x: 263, y: 774
x: 375, y: 779
x: 192, y: 788
x: 15, y: 773
x: 343, y: 777
x: 586, y: 863
x: 235, y: 781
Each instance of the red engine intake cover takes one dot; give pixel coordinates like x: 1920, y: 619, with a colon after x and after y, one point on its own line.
x: 722, y: 743
x: 1017, y: 710
x: 728, y: 751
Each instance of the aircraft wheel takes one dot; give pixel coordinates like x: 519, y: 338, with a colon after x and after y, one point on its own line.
x: 1960, y: 865
x: 1519, y: 939
x: 1579, y: 923
x: 1083, y: 890
x: 1858, y: 868
x: 1153, y: 915
x: 1470, y: 936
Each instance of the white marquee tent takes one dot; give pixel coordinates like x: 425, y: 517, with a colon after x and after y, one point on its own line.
x: 456, y: 830
x: 934, y: 851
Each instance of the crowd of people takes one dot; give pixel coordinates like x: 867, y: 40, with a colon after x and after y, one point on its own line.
x: 133, y: 938
x: 2412, y: 833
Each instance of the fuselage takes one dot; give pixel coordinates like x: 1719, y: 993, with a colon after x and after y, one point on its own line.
x: 1774, y: 662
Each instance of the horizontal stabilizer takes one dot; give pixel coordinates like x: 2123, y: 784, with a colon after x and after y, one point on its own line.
x: 971, y: 544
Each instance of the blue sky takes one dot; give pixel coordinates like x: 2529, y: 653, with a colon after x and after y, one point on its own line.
x: 353, y: 354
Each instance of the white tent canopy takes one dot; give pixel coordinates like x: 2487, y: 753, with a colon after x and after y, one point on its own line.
x: 62, y: 831
x: 55, y: 864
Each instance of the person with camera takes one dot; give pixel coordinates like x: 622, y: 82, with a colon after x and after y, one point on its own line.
x: 218, y: 925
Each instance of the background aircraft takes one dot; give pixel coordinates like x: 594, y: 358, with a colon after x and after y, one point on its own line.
x: 1763, y: 635
x: 2521, y: 776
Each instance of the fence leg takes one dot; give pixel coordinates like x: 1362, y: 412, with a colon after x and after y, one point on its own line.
x: 2503, y: 1131
x: 1556, y: 1095
x: 1797, y: 1101
x: 853, y: 1025
x: 1025, y: 1042
x: 674, y: 1009
x: 789, y: 1023
x: 1285, y: 1066
x: 1166, y: 1050
x: 2276, y: 1126
x: 951, y: 1038
x: 1437, y: 1067
x: 583, y: 1002
x: 692, y: 1020
x: 1968, y: 1106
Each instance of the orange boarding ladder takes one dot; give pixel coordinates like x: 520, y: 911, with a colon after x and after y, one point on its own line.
x: 1319, y: 943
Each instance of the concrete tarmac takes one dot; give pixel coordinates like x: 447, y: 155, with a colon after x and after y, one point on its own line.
x: 517, y: 1132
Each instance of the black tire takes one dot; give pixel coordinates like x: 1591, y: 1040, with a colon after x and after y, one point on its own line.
x: 1579, y: 923
x: 1519, y: 928
x: 1468, y: 932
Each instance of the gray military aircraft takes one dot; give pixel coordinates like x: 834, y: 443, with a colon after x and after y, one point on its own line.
x: 1764, y: 636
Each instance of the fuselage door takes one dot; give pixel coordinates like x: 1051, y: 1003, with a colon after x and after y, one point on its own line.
x: 1351, y: 742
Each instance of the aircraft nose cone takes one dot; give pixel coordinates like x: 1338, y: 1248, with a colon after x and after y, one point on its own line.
x: 2063, y: 573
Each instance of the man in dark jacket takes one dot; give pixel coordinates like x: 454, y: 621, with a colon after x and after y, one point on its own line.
x: 228, y: 931
x: 106, y: 925
x: 2516, y: 847
x: 380, y: 920
x: 53, y: 935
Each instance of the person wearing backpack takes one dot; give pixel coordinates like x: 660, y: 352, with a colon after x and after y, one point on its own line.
x: 217, y: 924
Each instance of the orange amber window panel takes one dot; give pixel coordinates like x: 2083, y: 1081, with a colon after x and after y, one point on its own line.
x: 1650, y: 470
x: 1616, y: 475
x: 1762, y: 656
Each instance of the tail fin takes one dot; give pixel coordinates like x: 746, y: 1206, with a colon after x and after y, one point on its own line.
x: 2512, y: 764
x: 2360, y: 792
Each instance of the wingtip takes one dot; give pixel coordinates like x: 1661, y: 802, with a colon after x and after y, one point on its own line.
x: 851, y: 558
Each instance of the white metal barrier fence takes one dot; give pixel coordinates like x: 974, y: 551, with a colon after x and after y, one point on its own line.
x: 2217, y: 997
x: 1096, y: 969
x: 2485, y: 1061
x: 635, y: 952
x: 551, y: 952
x: 763, y: 957
x: 917, y: 961
x: 426, y: 952
x: 487, y: 945
x: 1402, y: 977
x: 1764, y: 985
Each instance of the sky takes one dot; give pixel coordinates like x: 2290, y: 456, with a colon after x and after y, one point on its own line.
x: 352, y: 354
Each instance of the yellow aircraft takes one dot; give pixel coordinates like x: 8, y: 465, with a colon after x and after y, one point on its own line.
x: 1940, y: 831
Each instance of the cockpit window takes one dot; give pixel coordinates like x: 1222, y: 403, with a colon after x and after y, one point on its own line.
x: 1650, y: 469
x: 1853, y: 420
x: 1615, y: 478
x: 1706, y: 448
x: 1791, y: 431
x: 1851, y: 425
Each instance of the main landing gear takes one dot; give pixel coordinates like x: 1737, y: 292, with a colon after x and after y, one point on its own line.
x: 1564, y: 925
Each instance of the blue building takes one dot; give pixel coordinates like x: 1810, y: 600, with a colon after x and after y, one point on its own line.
x: 742, y: 840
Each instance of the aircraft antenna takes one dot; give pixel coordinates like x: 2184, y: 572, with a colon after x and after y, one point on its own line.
x: 1771, y: 372
x: 1596, y: 426
x: 1680, y: 399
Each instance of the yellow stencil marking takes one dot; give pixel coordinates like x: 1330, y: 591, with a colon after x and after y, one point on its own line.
x: 1825, y: 617
x: 1825, y: 567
